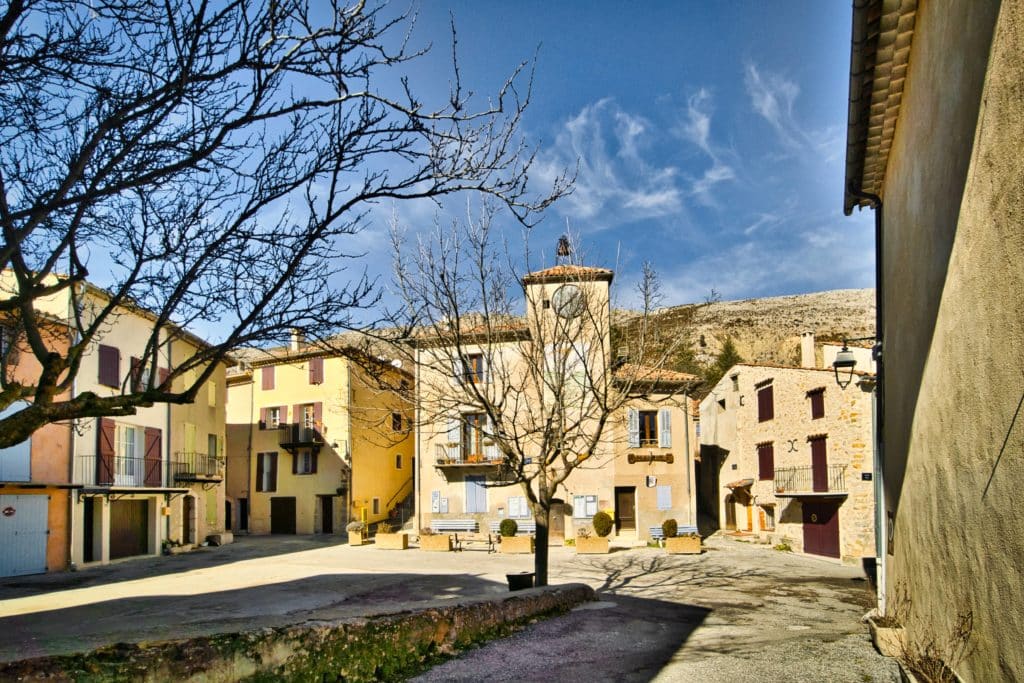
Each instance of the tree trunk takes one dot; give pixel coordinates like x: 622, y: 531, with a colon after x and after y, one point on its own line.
x: 541, y: 515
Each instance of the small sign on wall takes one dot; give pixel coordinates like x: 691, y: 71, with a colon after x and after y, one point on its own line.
x: 865, y: 476
x: 444, y: 505
x: 435, y: 501
x: 652, y: 481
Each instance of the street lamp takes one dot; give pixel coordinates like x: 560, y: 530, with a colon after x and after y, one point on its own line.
x: 845, y: 361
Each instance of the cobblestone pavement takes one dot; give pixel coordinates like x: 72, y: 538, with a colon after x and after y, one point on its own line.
x: 736, y: 612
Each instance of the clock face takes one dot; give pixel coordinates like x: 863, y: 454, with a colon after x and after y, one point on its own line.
x: 567, y: 301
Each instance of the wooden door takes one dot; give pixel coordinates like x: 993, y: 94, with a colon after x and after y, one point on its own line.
x: 819, y: 465
x: 556, y: 530
x: 129, y: 524
x: 821, y: 528
x: 188, y: 512
x: 625, y: 508
x: 326, y: 515
x: 750, y: 517
x: 282, y: 515
x: 730, y: 513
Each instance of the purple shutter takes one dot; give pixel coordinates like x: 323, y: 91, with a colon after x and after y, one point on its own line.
x: 273, y: 472
x: 268, y: 378
x: 263, y: 418
x: 819, y: 465
x: 134, y: 372
x: 766, y: 461
x: 765, y: 404
x: 312, y: 463
x: 163, y: 374
x: 316, y: 370
x: 818, y: 404
x: 152, y: 457
x: 105, y: 452
x: 259, y: 471
x: 318, y: 418
x: 110, y: 366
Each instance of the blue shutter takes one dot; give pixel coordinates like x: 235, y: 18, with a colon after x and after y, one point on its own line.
x: 634, y: 428
x: 664, y: 497
x: 476, y: 494
x: 665, y: 425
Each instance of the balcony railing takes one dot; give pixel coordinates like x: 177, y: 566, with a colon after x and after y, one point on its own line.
x: 455, y: 454
x: 116, y: 470
x: 299, y: 435
x: 185, y: 466
x: 810, y: 481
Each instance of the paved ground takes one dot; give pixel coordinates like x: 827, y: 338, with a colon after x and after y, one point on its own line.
x: 734, y: 613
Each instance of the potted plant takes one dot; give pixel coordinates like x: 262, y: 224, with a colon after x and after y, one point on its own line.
x: 510, y: 543
x: 595, y: 545
x: 387, y: 539
x: 687, y: 544
x: 356, y: 533
x: 887, y: 634
x: 437, y: 543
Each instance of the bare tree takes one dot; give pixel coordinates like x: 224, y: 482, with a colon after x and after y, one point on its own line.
x: 207, y: 162
x: 521, y: 369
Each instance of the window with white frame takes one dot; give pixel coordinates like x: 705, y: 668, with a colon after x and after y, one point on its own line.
x: 304, y: 463
x: 125, y: 470
x: 518, y: 507
x: 273, y: 418
x: 584, y: 507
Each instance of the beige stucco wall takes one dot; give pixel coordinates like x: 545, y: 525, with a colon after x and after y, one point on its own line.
x: 735, y: 429
x: 954, y: 336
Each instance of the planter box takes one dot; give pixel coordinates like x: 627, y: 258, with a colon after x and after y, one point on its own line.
x: 179, y: 549
x: 888, y: 640
x: 356, y: 537
x: 683, y: 545
x: 436, y: 543
x: 516, y: 544
x: 592, y: 546
x: 392, y: 541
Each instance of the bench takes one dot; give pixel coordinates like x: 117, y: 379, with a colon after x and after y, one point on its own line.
x: 442, y: 525
x: 471, y: 540
x: 525, y: 526
x: 657, y: 535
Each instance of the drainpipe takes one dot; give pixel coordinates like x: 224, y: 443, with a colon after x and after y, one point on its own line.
x: 419, y: 460
x: 167, y: 469
x: 72, y: 451
x: 878, y: 413
x: 691, y: 513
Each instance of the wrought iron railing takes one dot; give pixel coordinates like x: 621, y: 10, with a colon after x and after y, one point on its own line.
x: 187, y: 466
x: 805, y: 480
x: 117, y: 470
x: 299, y: 434
x: 455, y: 454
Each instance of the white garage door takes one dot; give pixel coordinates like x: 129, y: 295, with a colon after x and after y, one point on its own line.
x: 23, y: 535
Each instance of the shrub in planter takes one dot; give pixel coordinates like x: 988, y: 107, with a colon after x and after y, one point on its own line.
x: 431, y: 542
x: 590, y: 545
x: 508, y: 528
x: 669, y: 528
x: 356, y: 533
x: 603, y: 524
x: 390, y: 541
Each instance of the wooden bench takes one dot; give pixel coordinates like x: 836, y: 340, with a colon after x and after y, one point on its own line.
x: 441, y: 525
x: 657, y: 535
x: 525, y: 526
x: 471, y: 540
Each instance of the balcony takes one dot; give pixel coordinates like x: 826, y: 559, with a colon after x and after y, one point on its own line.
x: 296, y: 436
x: 196, y: 467
x: 798, y: 482
x: 454, y: 455
x: 118, y: 471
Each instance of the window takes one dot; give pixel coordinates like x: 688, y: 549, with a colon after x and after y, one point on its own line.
x: 267, y: 377
x: 398, y: 461
x: 304, y: 463
x: 765, y: 403
x: 189, y: 433
x: 110, y: 366
x: 765, y: 461
x: 266, y: 472
x: 817, y: 397
x: 316, y: 370
x: 664, y: 497
x: 584, y: 507
x: 476, y: 494
x: 518, y: 507
x: 768, y: 517
x: 273, y: 417
x: 396, y: 422
x: 473, y: 434
x: 473, y: 368
x: 735, y: 382
x: 211, y: 394
x: 376, y: 506
x: 648, y: 427
x: 308, y: 417
x: 139, y: 373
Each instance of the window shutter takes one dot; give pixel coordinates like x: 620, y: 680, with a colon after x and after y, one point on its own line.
x: 817, y: 404
x: 273, y: 472
x: 295, y: 462
x: 163, y: 374
x: 152, y: 457
x: 259, y: 470
x: 134, y: 372
x: 268, y: 378
x: 105, y: 449
x: 665, y: 420
x: 297, y: 420
x: 316, y: 370
x: 634, y: 428
x: 312, y: 462
x: 220, y: 446
x: 454, y: 426
x: 318, y: 416
x: 263, y: 418
x: 490, y: 447
x: 457, y: 371
x: 766, y: 461
x: 664, y: 497
x: 765, y: 404
x: 110, y: 362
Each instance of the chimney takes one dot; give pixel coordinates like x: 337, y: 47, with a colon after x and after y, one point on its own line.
x: 298, y: 339
x: 807, y: 359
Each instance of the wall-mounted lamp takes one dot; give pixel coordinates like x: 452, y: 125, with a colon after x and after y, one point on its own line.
x: 845, y: 361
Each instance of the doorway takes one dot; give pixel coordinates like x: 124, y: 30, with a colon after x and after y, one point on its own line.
x: 243, y: 514
x: 556, y: 528
x: 625, y: 508
x: 326, y: 514
x: 821, y: 528
x: 730, y: 512
x: 282, y: 515
x: 227, y: 515
x: 188, y: 511
x: 129, y: 523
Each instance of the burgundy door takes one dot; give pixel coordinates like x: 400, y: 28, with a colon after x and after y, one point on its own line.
x: 821, y: 528
x: 819, y: 465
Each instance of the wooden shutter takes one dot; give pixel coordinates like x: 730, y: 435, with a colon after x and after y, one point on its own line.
x: 105, y: 452
x: 766, y: 461
x: 765, y: 403
x: 665, y: 427
x: 267, y: 377
x: 316, y: 370
x: 634, y: 428
x: 273, y: 472
x: 312, y: 462
x: 295, y: 462
x: 163, y: 374
x: 318, y: 417
x: 110, y: 366
x: 153, y: 460
x: 490, y: 447
x: 263, y: 418
x: 259, y: 471
x: 819, y: 464
x: 817, y: 404
x: 134, y: 367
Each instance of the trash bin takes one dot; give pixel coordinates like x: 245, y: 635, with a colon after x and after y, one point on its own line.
x: 520, y: 581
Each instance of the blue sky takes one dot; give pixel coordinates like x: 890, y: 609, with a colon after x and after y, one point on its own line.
x: 710, y: 136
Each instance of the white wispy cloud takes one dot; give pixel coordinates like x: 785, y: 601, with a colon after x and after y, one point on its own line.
x: 772, y: 96
x: 696, y: 129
